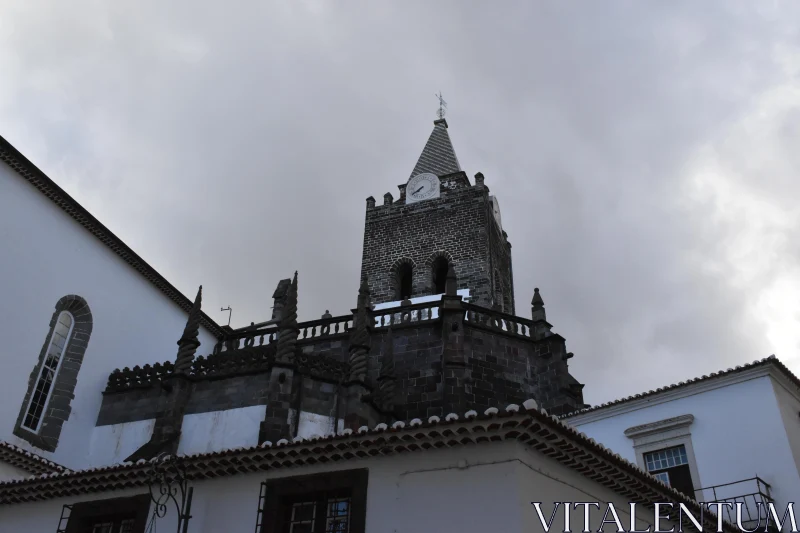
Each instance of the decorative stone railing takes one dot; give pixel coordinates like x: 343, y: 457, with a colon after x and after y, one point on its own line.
x: 247, y: 339
x: 496, y: 321
x: 409, y: 314
x: 138, y: 377
x: 227, y: 364
x: 231, y: 356
x: 325, y: 327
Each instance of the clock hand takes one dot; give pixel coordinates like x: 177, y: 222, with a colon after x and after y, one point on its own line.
x: 415, y: 192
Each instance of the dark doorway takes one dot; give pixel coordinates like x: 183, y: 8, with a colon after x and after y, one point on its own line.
x: 405, y: 275
x: 440, y: 267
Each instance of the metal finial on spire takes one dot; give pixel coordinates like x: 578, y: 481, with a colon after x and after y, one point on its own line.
x: 442, y: 106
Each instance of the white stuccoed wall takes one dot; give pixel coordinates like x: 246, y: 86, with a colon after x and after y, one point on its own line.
x: 221, y: 430
x: 473, y: 489
x: 738, y: 433
x: 113, y: 444
x: 45, y: 256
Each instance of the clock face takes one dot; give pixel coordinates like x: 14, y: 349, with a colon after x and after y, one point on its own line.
x: 422, y: 187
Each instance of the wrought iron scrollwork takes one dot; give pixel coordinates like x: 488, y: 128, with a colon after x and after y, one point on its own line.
x: 169, y: 486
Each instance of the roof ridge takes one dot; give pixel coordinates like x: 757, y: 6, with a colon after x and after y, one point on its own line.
x: 524, y: 423
x: 26, y: 460
x: 772, y: 359
x: 26, y: 169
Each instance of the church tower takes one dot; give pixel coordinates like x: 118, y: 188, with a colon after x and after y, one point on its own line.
x: 439, y: 220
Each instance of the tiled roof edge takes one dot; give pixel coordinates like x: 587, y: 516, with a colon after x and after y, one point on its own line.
x: 527, y: 424
x: 771, y: 360
x: 30, y: 462
x: 14, y: 159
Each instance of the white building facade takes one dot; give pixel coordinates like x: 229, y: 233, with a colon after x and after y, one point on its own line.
x: 731, y: 436
x: 82, y: 297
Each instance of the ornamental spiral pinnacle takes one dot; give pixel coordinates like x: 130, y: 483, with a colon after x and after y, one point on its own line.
x: 387, y: 377
x: 188, y: 343
x: 360, y: 340
x: 287, y: 328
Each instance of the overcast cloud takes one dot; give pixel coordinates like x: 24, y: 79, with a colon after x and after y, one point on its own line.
x: 645, y: 154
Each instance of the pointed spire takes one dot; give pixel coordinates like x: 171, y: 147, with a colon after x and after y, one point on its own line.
x: 360, y: 339
x: 189, y: 341
x: 537, y: 306
x: 364, y: 294
x: 537, y: 299
x: 387, y: 378
x: 438, y: 157
x: 287, y: 328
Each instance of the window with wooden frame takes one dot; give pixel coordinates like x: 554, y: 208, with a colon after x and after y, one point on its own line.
x: 115, y: 515
x: 334, y: 502
x: 671, y: 466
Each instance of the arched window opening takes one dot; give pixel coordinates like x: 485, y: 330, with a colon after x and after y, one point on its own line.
x: 405, y: 276
x: 47, y: 404
x: 47, y: 375
x: 440, y: 267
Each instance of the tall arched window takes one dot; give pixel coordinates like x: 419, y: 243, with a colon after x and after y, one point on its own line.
x: 439, y: 267
x: 51, y: 386
x: 59, y: 339
x: 405, y: 277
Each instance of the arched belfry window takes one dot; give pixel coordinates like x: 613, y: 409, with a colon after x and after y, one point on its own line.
x: 51, y: 386
x: 405, y: 279
x: 439, y: 267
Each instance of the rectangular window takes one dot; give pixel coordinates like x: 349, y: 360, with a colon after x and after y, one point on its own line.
x: 116, y: 515
x: 671, y: 465
x: 324, y: 503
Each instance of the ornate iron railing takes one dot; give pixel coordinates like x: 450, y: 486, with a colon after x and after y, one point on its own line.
x: 169, y: 487
x: 753, y: 494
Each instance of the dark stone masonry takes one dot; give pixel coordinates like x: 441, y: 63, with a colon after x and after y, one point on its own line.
x: 412, y: 360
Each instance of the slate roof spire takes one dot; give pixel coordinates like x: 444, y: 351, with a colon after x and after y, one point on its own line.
x: 438, y: 157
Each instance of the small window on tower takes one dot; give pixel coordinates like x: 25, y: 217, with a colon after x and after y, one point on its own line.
x: 440, y: 267
x: 405, y: 275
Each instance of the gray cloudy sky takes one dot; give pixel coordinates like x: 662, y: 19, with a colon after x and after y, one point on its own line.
x: 645, y: 154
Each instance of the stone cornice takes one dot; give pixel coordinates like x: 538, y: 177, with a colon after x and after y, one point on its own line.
x: 660, y: 426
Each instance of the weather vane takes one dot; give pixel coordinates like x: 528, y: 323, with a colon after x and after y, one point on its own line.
x: 442, y: 106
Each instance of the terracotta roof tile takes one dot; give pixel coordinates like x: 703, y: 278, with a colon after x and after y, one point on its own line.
x: 527, y: 424
x: 30, y: 462
x: 771, y: 360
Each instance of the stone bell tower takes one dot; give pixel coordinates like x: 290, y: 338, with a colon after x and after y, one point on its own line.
x: 440, y: 219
